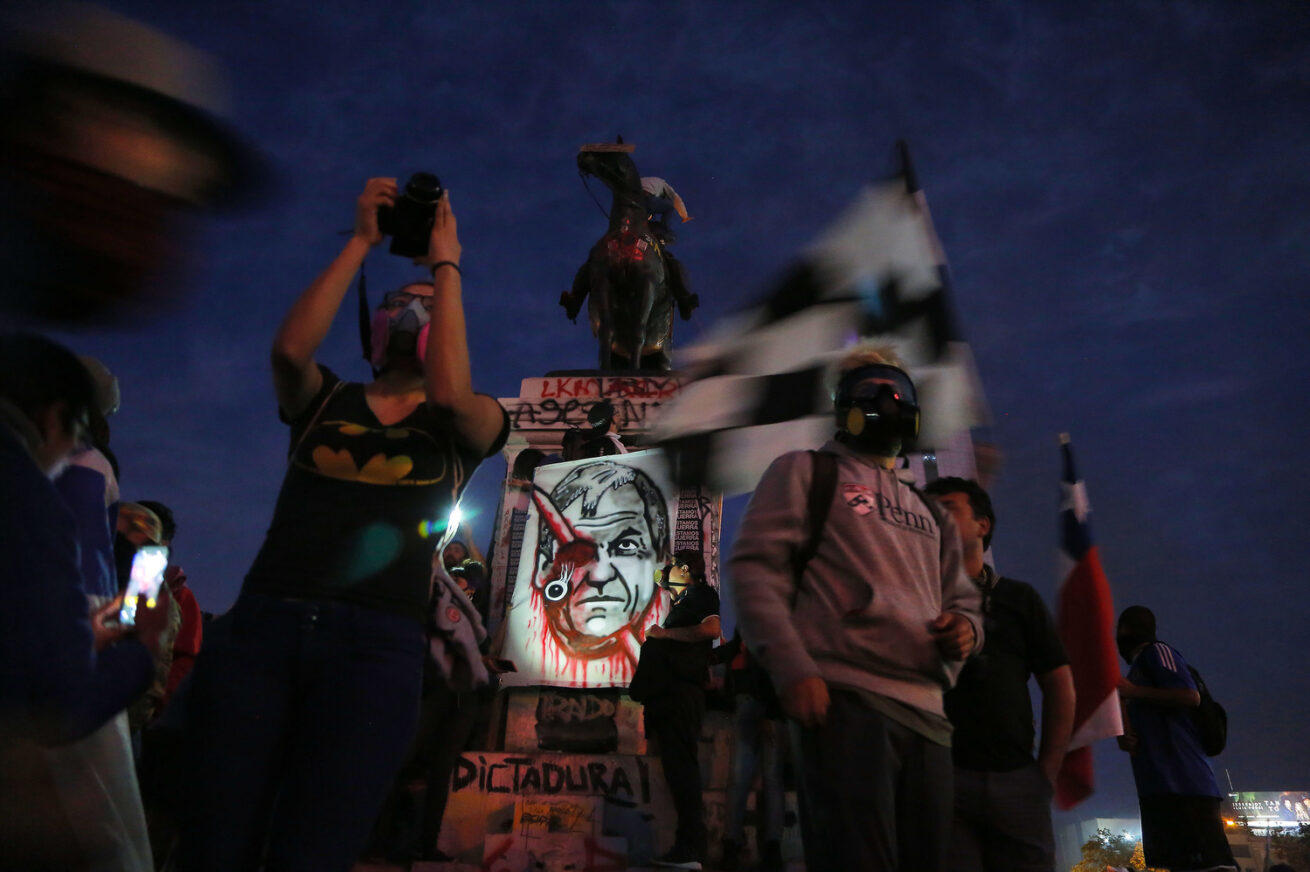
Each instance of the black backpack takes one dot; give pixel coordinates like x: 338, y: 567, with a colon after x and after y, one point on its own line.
x: 1210, y: 718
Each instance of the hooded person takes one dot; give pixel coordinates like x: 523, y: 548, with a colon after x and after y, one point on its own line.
x: 861, y: 612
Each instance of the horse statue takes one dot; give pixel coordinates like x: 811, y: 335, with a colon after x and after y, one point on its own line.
x: 627, y: 279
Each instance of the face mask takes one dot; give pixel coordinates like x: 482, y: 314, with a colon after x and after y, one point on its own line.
x: 676, y: 586
x: 878, y: 424
x: 877, y: 409
x: 400, y: 328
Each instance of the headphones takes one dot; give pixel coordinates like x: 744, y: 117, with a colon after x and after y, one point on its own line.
x: 892, y: 402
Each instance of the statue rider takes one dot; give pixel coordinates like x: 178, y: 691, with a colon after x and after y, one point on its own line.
x: 661, y: 199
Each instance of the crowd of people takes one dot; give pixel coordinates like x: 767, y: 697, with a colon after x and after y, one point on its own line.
x: 876, y: 648
x: 872, y: 634
x: 306, y: 695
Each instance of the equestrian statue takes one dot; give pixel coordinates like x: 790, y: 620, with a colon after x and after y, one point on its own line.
x: 630, y: 279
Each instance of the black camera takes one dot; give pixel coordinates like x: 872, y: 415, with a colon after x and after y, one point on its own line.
x: 409, y: 222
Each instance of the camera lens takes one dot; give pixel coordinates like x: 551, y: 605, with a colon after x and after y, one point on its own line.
x: 423, y: 187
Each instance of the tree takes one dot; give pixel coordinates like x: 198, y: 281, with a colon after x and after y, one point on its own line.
x: 1113, y: 850
x: 1293, y: 846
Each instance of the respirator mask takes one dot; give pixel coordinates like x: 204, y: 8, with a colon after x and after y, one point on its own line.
x: 399, y: 327
x: 877, y: 409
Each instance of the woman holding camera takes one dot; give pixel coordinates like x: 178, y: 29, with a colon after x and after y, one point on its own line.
x: 305, y: 703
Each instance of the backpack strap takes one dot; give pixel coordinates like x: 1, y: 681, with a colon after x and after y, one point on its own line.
x: 336, y: 388
x: 823, y: 486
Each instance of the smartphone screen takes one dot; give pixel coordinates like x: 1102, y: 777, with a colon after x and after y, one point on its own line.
x: 143, y: 585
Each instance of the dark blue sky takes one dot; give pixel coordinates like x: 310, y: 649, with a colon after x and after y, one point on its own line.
x: 1122, y: 189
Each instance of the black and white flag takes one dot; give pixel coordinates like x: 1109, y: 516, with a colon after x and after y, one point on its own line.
x: 758, y: 386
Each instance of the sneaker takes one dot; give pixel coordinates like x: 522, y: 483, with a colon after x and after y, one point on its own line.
x: 678, y: 858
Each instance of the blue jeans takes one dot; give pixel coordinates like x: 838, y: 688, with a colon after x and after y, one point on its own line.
x: 759, y: 748
x: 300, y: 714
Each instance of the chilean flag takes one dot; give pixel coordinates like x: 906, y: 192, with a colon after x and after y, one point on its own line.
x: 1085, y: 616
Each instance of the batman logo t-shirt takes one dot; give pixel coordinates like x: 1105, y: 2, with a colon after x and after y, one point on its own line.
x: 363, y: 504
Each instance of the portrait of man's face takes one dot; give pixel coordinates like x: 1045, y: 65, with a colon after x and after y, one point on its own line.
x: 597, y: 562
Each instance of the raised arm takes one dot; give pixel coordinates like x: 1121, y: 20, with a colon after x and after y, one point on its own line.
x: 478, y: 418
x: 296, y: 378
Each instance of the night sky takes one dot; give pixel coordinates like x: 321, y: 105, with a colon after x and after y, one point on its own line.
x: 1122, y: 190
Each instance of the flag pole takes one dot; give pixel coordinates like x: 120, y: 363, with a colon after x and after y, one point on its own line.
x: 907, y: 167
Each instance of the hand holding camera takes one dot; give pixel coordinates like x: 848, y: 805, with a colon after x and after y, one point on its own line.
x: 379, y: 193
x: 410, y: 215
x: 443, y: 239
x: 418, y: 219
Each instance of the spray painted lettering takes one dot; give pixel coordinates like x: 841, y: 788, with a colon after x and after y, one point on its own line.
x: 575, y: 709
x: 630, y: 388
x: 560, y: 414
x: 620, y: 779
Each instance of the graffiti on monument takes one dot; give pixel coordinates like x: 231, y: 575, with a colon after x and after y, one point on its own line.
x: 578, y: 720
x: 562, y: 402
x: 597, y: 532
x: 510, y: 812
x: 620, y: 779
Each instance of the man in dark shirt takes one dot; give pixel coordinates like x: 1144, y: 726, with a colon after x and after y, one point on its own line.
x: 1002, y: 817
x: 673, y: 665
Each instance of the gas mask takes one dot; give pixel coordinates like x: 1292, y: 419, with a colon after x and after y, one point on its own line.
x: 674, y: 578
x: 400, y: 328
x: 877, y: 409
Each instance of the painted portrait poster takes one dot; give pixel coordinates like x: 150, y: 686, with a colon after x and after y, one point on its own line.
x: 597, y: 532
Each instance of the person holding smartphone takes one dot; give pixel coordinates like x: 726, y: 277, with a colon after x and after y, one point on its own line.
x: 306, y: 696
x: 65, y: 669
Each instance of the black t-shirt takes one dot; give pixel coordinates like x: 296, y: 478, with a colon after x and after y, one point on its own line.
x: 699, y: 603
x: 350, y: 516
x: 989, y: 707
